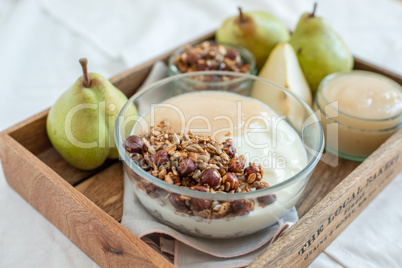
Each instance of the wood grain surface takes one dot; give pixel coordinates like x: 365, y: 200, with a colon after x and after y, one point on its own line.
x: 98, y: 235
x: 323, y: 180
x: 299, y: 246
x: 105, y: 189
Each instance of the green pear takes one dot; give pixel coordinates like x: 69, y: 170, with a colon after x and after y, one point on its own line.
x: 80, y: 125
x: 319, y: 49
x: 257, y: 31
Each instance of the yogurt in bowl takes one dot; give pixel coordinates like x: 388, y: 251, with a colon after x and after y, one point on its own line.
x: 283, y: 155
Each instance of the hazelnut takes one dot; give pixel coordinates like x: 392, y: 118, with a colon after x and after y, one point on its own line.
x: 200, y: 204
x: 266, y: 199
x: 186, y: 167
x: 211, y: 177
x: 178, y: 202
x: 230, y: 181
x: 193, y: 57
x: 236, y: 164
x: 252, y: 173
x: 133, y: 144
x: 231, y: 54
x: 230, y: 151
x: 242, y: 207
x: 160, y: 158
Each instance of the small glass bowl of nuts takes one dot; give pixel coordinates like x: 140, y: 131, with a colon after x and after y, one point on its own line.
x: 213, y: 163
x: 212, y: 56
x: 208, y: 56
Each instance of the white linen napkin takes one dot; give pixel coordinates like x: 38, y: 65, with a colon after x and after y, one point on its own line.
x: 186, y: 250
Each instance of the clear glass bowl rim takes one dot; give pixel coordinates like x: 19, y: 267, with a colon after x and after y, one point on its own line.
x: 217, y: 196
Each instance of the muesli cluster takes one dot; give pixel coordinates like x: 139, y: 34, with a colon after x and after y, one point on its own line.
x: 209, y: 56
x: 198, y: 163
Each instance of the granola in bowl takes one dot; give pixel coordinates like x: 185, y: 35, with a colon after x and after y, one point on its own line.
x: 212, y: 56
x: 198, y: 163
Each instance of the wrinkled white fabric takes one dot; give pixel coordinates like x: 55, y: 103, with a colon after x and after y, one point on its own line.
x: 41, y: 42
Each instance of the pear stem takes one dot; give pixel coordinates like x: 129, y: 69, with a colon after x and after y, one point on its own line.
x: 84, y: 65
x: 241, y: 18
x: 312, y: 14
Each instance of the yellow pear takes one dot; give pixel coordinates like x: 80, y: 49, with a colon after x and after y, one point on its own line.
x: 282, y: 67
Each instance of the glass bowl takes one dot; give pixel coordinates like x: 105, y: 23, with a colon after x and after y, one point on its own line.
x: 217, y: 82
x: 298, y: 143
x: 347, y: 135
x: 245, y: 57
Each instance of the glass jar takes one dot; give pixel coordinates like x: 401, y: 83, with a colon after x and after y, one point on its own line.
x: 359, y: 111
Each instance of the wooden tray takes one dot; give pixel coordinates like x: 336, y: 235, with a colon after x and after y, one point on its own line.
x: 87, y: 205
